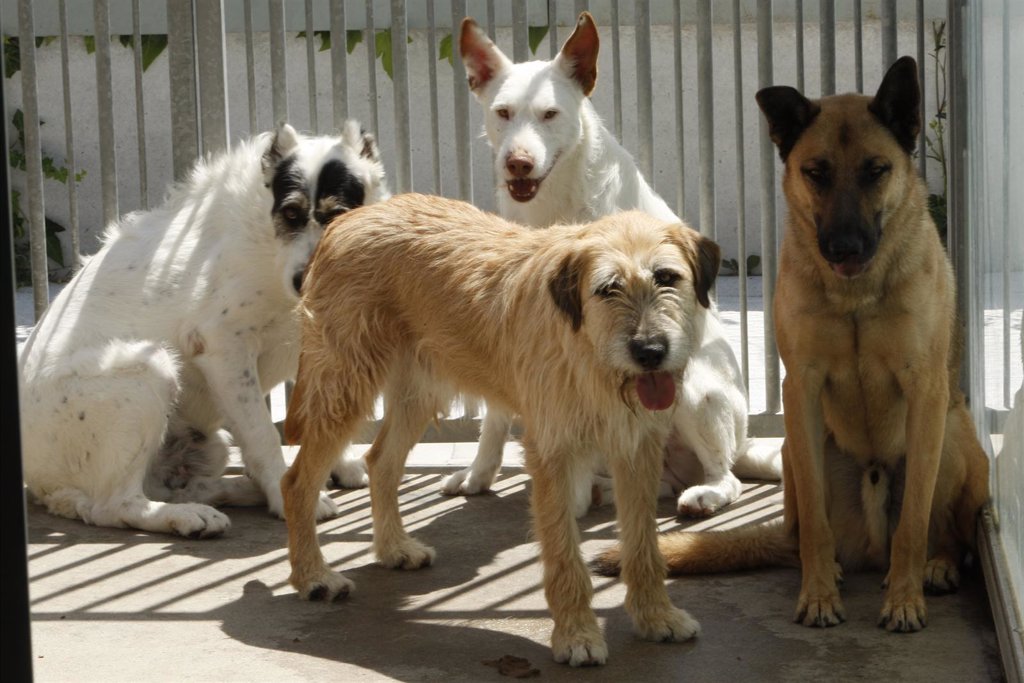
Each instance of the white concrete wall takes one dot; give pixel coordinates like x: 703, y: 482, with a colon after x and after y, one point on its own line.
x: 157, y: 108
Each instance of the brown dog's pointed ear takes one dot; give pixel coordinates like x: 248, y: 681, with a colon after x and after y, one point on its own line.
x: 566, y: 289
x: 897, y: 103
x: 788, y: 114
x: 705, y: 264
x: 481, y: 57
x: 578, y: 57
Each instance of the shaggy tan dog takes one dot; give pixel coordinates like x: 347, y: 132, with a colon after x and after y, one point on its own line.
x: 582, y: 330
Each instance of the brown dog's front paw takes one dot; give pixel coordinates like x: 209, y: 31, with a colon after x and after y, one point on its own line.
x: 820, y: 610
x: 903, y: 611
x: 941, y: 576
x: 581, y: 647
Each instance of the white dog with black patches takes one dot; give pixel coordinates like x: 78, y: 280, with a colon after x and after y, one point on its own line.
x: 179, y: 326
x: 556, y: 163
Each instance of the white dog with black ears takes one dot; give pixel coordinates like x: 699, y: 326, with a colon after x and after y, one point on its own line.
x: 557, y: 163
x: 179, y: 326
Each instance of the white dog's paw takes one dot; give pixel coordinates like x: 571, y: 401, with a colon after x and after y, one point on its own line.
x: 407, y: 554
x: 325, y: 507
x: 464, y: 483
x: 193, y: 520
x: 706, y: 500
x: 672, y: 625
x: 349, y: 473
x: 326, y: 585
x: 583, y: 647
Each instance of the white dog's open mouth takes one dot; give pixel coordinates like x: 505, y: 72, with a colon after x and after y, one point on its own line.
x: 523, y: 189
x: 656, y: 390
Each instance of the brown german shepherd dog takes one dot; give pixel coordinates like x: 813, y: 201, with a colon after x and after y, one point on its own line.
x: 881, y: 463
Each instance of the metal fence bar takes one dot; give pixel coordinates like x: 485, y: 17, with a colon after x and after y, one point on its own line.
x: 1007, y: 265
x: 182, y: 67
x: 314, y: 123
x: 371, y: 66
x: 490, y: 19
x: 616, y: 71
x: 339, y: 64
x: 105, y: 110
x: 435, y: 136
x: 460, y: 95
x: 250, y: 69
x: 552, y: 28
x: 520, y: 32
x: 278, y: 62
x: 645, y: 107
x: 706, y: 119
x: 677, y: 66
x: 858, y: 44
x: 582, y: 6
x: 33, y: 159
x: 799, y: 21
x: 827, y: 45
x: 69, y: 141
x: 140, y: 112
x: 400, y: 84
x: 922, y: 156
x: 888, y: 17
x: 765, y: 78
x: 741, y: 190
x: 211, y: 62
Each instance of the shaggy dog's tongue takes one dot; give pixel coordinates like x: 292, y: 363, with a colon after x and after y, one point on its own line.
x: 657, y: 390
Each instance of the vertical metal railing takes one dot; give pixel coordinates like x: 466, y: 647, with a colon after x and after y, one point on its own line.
x: 69, y: 140
x: 198, y: 54
x: 33, y: 159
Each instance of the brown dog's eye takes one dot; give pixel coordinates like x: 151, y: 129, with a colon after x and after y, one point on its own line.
x: 502, y: 113
x: 666, y: 278
x: 550, y: 114
x: 876, y: 172
x: 609, y: 290
x: 816, y: 174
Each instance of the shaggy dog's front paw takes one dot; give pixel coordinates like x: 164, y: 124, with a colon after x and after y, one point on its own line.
x: 325, y: 585
x: 464, y: 483
x: 581, y: 647
x: 820, y: 609
x: 903, y: 610
x: 406, y: 554
x: 670, y: 625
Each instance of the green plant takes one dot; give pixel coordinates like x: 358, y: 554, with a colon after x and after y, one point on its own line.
x: 51, y: 170
x: 935, y: 146
x: 731, y: 266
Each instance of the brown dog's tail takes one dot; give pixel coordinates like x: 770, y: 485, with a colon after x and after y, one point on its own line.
x: 707, y: 552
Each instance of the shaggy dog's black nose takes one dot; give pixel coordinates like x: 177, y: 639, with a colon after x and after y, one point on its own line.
x: 650, y: 352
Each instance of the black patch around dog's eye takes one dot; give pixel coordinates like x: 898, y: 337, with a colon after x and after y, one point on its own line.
x: 819, y: 173
x: 664, y: 277
x: 338, y: 184
x: 873, y: 170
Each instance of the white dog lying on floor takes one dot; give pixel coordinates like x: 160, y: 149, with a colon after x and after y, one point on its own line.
x: 180, y: 325
x: 556, y: 163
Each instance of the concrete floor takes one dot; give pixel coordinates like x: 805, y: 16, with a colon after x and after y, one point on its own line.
x: 111, y: 604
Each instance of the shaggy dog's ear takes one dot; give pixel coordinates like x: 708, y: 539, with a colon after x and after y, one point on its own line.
x: 897, y: 103
x: 285, y: 140
x: 566, y: 289
x: 578, y: 57
x: 788, y: 114
x: 481, y: 57
x: 704, y: 258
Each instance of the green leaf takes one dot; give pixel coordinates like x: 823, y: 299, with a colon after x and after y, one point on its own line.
x: 153, y: 44
x: 325, y: 40
x: 17, y: 216
x: 90, y: 44
x: 54, y: 250
x: 54, y: 172
x: 352, y: 39
x: 537, y: 34
x: 383, y: 46
x: 12, y: 56
x: 127, y: 40
x: 444, y: 50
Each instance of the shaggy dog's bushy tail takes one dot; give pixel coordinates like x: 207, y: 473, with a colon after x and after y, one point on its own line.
x: 706, y: 552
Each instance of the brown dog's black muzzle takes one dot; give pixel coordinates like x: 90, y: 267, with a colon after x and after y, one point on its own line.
x: 846, y: 239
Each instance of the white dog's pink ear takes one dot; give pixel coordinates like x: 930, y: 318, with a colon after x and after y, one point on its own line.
x: 482, y: 58
x: 578, y: 57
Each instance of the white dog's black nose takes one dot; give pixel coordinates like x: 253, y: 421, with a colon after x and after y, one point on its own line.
x: 650, y: 352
